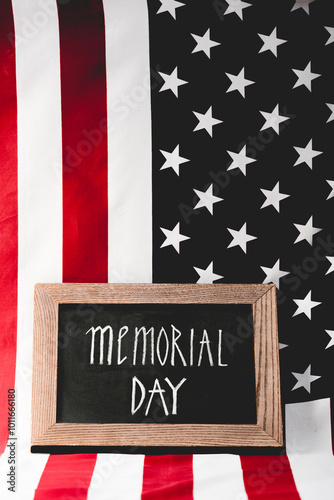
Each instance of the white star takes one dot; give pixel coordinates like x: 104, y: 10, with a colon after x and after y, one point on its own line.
x: 236, y: 6
x: 282, y: 346
x: 206, y: 121
x: 305, y: 305
x: 331, y: 261
x: 331, y: 107
x: 273, y: 274
x: 305, y: 379
x: 306, y: 154
x: 307, y: 231
x: 331, y: 342
x: 305, y: 77
x: 331, y: 33
x: 173, y: 237
x: 207, y: 275
x: 204, y: 43
x: 273, y: 197
x: 239, y: 82
x: 169, y: 6
x: 240, y: 160
x: 271, y: 42
x: 172, y: 82
x: 207, y: 199
x: 240, y: 238
x: 331, y: 194
x: 302, y: 4
x: 273, y: 119
x: 173, y: 160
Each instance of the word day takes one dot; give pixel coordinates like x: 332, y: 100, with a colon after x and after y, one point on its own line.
x: 157, y: 389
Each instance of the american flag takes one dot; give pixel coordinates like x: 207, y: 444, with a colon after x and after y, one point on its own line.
x: 171, y: 141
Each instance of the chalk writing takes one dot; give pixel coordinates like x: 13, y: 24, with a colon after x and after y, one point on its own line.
x: 163, y: 345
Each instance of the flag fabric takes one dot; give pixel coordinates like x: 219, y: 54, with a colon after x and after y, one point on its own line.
x: 168, y: 141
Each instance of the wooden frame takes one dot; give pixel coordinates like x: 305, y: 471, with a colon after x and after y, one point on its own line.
x: 47, y: 432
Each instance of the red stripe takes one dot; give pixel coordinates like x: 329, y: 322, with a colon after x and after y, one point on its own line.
x: 85, y: 169
x: 168, y: 476
x: 9, y: 214
x: 66, y: 476
x: 269, y: 478
x: 85, y: 203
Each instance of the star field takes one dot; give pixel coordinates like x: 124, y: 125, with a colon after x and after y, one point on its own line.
x: 242, y: 154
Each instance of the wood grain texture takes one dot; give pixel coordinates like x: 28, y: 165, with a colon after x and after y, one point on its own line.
x: 44, y: 376
x: 267, y: 381
x: 45, y: 430
x: 128, y: 293
x: 156, y: 435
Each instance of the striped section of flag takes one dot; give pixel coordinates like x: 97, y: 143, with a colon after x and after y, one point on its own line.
x: 117, y: 476
x: 84, y: 136
x: 85, y: 206
x: 129, y: 142
x: 218, y: 476
x: 168, y: 476
x: 39, y: 204
x: 268, y: 477
x: 308, y: 444
x: 76, y: 205
x: 9, y: 216
x: 66, y: 476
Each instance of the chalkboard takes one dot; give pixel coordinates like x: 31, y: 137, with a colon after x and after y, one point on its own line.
x: 156, y: 365
x: 204, y: 347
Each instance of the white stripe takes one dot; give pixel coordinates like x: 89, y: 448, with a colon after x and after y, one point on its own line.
x: 129, y: 141
x: 308, y: 445
x: 39, y: 200
x: 117, y: 477
x: 218, y: 476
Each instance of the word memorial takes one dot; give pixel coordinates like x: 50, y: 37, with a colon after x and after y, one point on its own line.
x: 155, y: 365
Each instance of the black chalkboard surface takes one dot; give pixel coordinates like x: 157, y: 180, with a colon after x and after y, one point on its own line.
x: 164, y: 363
x: 155, y: 366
